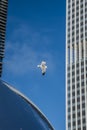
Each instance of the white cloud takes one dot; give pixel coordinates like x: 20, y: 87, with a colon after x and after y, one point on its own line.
x: 21, y: 56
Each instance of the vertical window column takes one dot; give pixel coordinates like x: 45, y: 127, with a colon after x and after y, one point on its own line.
x: 73, y: 53
x: 77, y: 50
x: 86, y: 49
x: 68, y: 55
x: 82, y: 51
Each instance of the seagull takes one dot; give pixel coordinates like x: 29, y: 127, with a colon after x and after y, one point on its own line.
x: 43, y: 67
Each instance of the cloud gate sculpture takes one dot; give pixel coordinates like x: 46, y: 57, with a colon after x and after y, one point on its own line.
x: 18, y: 113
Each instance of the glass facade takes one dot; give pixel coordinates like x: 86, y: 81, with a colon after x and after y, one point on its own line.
x: 3, y: 19
x: 18, y: 113
x: 76, y: 64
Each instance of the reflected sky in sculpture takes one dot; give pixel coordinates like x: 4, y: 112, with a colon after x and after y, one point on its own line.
x: 16, y: 113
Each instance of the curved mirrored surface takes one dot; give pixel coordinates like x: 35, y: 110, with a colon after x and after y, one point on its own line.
x: 17, y: 113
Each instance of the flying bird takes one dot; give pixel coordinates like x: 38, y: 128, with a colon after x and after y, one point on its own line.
x: 43, y: 67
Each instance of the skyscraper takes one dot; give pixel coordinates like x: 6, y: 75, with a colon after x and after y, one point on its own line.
x: 76, y: 65
x: 3, y: 18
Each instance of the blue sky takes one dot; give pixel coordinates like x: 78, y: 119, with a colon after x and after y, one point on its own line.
x: 36, y: 32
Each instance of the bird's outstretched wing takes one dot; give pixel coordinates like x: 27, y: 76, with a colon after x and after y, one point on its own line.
x: 37, y: 65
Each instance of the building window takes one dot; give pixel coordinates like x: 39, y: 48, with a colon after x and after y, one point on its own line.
x: 69, y: 12
x: 69, y: 109
x: 73, y: 73
x: 82, y: 51
x: 73, y: 94
x: 82, y: 70
x: 77, y: 48
x: 83, y: 105
x: 86, y: 28
x: 69, y: 6
x: 69, y: 124
x: 73, y: 4
x: 85, y: 10
x: 73, y: 34
x: 78, y: 106
x: 79, y: 122
x: 81, y: 30
x: 84, y: 128
x: 73, y: 101
x: 68, y: 95
x: 68, y: 68
x: 68, y: 75
x: 83, y: 91
x: 81, y: 11
x: 83, y: 113
x: 77, y: 2
x: 77, y: 71
x: 68, y: 23
x: 69, y: 81
x: 73, y: 80
x: 69, y: 102
x: 85, y: 2
x: 79, y: 128
x: 73, y: 115
x: 73, y: 87
x: 73, y: 53
x: 73, y: 108
x: 68, y: 29
x: 85, y: 21
x: 78, y: 99
x: 86, y: 18
x: 73, y: 67
x: 81, y: 0
x: 78, y: 78
x: 81, y: 18
x: 77, y: 38
x: 83, y: 98
x: 74, y: 123
x: 86, y: 34
x: 69, y: 117
x: 78, y: 92
x: 78, y: 85
x: 81, y: 6
x: 73, y: 27
x: 73, y: 10
x: 68, y: 88
x: 78, y: 114
x: 77, y: 25
x: 82, y: 76
x: 77, y: 8
x: 84, y: 121
x: 68, y: 55
x: 73, y: 22
x: 77, y: 65
x: 81, y: 36
x: 73, y: 16
x: 77, y: 14
x: 68, y: 35
x: 82, y: 83
x: 77, y: 31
